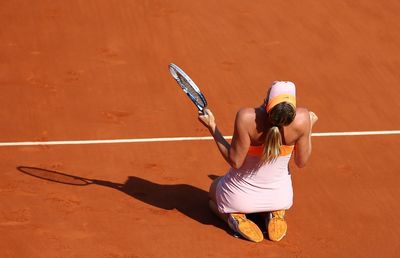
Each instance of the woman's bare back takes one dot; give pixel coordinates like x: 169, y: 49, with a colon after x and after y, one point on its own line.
x: 259, y: 125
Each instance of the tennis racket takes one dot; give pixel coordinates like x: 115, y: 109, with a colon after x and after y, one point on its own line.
x: 189, y: 87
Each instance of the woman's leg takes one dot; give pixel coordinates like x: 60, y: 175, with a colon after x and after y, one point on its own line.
x: 212, y: 194
x: 236, y: 221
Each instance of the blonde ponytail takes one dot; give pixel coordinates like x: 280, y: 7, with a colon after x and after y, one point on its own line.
x: 273, y: 142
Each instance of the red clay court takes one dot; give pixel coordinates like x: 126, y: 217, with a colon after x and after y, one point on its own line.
x: 98, y: 70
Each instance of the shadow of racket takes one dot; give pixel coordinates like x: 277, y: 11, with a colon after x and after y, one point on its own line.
x: 55, y: 176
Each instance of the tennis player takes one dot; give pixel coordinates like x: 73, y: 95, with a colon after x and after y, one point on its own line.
x: 259, y: 179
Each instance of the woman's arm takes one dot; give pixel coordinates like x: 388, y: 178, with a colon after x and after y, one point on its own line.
x: 303, y: 144
x: 234, y: 153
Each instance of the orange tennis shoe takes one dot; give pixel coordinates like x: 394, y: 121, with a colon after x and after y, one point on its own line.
x: 277, y: 226
x: 245, y: 227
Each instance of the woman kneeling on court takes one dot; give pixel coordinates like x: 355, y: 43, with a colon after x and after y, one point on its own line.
x: 259, y: 180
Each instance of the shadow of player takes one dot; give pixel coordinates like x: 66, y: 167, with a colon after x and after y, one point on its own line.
x: 187, y: 199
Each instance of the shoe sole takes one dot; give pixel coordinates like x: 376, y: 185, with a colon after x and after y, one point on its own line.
x: 277, y: 228
x: 249, y: 230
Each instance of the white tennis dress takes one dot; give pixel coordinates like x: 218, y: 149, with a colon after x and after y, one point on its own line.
x: 257, y: 188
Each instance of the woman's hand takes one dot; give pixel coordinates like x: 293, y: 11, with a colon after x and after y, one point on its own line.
x: 207, y: 119
x: 313, y: 118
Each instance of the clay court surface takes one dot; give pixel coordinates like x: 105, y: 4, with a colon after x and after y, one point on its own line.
x: 93, y: 70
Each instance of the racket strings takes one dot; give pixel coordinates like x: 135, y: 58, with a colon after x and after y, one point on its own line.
x: 191, y: 90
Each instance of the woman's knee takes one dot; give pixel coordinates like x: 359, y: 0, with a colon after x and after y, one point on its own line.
x: 213, y: 189
x: 214, y: 209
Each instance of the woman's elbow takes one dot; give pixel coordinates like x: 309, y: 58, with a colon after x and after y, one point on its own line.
x: 300, y: 164
x: 301, y: 160
x: 236, y: 164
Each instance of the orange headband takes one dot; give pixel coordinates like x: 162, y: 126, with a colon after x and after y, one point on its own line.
x: 279, y: 99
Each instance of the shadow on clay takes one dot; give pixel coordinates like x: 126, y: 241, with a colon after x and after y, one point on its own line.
x: 187, y: 199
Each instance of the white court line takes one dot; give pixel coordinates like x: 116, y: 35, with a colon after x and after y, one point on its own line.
x: 172, y: 139
x: 356, y: 133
